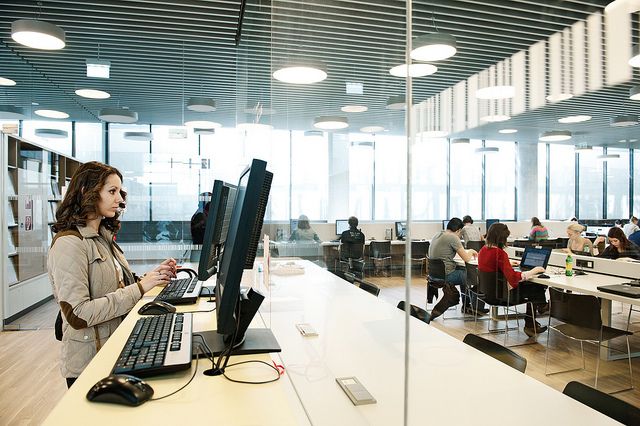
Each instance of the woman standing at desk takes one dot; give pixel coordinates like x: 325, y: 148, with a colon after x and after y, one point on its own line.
x: 619, y: 246
x: 538, y: 232
x: 493, y: 258
x: 91, y: 279
x: 578, y: 244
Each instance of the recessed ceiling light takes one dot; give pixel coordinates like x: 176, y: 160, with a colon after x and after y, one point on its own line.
x: 507, y: 131
x: 555, y: 136
x: 433, y: 134
x: 98, y: 68
x: 138, y: 136
x: 461, y: 140
x: 396, y: 102
x: 624, y: 120
x: 52, y: 133
x: 557, y: 97
x: 574, y: 119
x: 37, y: 34
x: 414, y: 70
x: 634, y: 61
x: 301, y: 71
x: 433, y: 47
x: 118, y: 115
x: 331, y: 122
x: 372, y: 129
x: 487, y: 150
x: 51, y: 113
x: 495, y: 118
x: 6, y: 82
x: 203, y: 124
x: 496, y: 92
x: 11, y: 112
x: 93, y: 93
x: 354, y: 108
x: 201, y: 104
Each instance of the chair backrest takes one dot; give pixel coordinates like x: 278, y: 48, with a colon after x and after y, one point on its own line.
x: 437, y: 270
x: 379, y: 248
x: 497, y: 351
x: 493, y: 286
x: 351, y: 250
x: 608, y: 405
x: 419, y: 249
x: 414, y: 311
x: 472, y: 275
x: 368, y: 287
x: 582, y: 310
x: 475, y: 245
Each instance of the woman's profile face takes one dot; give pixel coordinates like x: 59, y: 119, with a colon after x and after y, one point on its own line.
x: 615, y: 242
x: 110, y: 197
x: 572, y: 234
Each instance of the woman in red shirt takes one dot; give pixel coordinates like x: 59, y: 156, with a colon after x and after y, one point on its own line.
x: 492, y: 258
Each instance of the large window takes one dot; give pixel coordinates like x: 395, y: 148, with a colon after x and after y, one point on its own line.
x: 429, y: 163
x: 391, y: 177
x: 466, y: 179
x: 89, y: 142
x: 618, y: 184
x: 562, y: 182
x: 591, y: 184
x: 500, y: 178
x: 59, y: 144
x: 542, y: 180
x: 309, y: 175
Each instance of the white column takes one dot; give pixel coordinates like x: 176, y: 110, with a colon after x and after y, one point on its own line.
x: 527, y: 182
x: 338, y: 207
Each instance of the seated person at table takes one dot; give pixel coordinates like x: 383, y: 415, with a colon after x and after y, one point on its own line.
x: 635, y: 238
x: 469, y: 232
x: 619, y: 246
x: 493, y: 258
x: 445, y: 245
x: 631, y: 227
x: 578, y: 244
x: 351, y: 237
x: 538, y: 232
x: 304, y: 232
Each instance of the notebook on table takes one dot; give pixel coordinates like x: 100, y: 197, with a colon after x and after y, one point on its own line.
x: 626, y: 290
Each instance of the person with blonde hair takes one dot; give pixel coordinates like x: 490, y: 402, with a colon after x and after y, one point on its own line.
x: 577, y: 243
x: 631, y: 227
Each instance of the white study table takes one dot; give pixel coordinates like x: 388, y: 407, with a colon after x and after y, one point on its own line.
x: 359, y: 335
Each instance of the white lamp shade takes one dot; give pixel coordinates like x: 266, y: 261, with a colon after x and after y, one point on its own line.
x: 10, y: 112
x: 433, y: 47
x: 354, y: 108
x: 200, y: 104
x: 37, y: 34
x: 301, y: 71
x: 634, y: 93
x: 624, y: 120
x: 413, y: 70
x: 330, y: 122
x: 138, y: 136
x: 51, y: 113
x: 52, y: 133
x: 555, y: 136
x: 118, y: 115
x: 6, y: 82
x: 93, y: 93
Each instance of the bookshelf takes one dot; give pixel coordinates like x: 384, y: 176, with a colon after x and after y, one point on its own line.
x: 35, y: 179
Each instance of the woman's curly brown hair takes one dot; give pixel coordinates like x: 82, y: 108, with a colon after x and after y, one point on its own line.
x: 80, y: 203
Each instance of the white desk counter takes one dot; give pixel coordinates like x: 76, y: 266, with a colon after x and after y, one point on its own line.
x: 363, y: 336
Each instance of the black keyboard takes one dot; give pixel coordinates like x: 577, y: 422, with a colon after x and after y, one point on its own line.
x: 181, y: 291
x: 158, y: 344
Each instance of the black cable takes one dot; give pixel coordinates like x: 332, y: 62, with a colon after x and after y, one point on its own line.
x: 209, y: 353
x: 210, y: 293
x: 253, y: 383
x: 195, y: 370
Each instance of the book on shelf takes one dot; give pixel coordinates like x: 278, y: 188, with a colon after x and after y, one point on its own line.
x: 11, y: 220
x: 55, y: 191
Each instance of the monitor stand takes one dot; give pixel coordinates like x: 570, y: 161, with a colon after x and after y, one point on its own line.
x: 256, y: 341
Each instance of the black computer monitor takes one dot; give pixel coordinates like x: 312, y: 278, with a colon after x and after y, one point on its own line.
x: 444, y: 224
x: 401, y: 230
x: 234, y: 311
x: 223, y: 196
x: 490, y: 222
x: 341, y: 226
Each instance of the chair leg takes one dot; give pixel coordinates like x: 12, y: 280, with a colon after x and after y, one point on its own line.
x: 629, y: 358
x: 598, y: 361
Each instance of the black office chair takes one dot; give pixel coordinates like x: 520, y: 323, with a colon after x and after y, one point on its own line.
x: 493, y: 289
x: 497, y: 351
x: 475, y: 245
x: 580, y: 319
x: 350, y: 258
x: 380, y: 255
x: 414, y: 311
x: 368, y: 287
x: 436, y: 278
x: 608, y: 405
x: 419, y: 250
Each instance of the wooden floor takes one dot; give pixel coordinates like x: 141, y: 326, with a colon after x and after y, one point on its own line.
x: 31, y: 385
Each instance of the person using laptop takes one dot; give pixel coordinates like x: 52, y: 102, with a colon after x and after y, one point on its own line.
x: 577, y: 243
x: 493, y: 258
x: 619, y: 247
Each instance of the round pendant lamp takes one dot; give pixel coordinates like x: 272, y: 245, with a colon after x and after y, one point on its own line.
x: 52, y: 133
x: 138, y: 136
x: 555, y: 136
x: 330, y: 122
x: 37, y: 34
x: 433, y: 47
x: 200, y: 104
x: 11, y: 112
x: 301, y: 71
x: 118, y: 115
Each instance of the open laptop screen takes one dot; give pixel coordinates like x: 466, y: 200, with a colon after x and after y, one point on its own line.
x: 533, y: 257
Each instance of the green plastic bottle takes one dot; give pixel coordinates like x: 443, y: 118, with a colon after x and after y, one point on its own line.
x: 568, y: 271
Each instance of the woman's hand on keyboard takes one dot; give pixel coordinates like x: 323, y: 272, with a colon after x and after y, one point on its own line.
x: 154, y: 278
x: 168, y: 267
